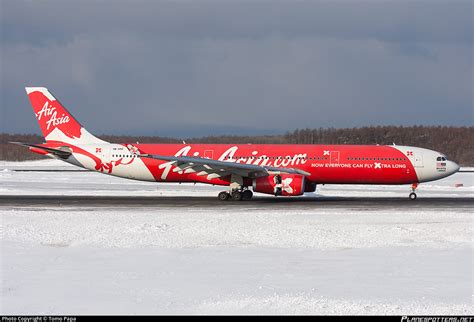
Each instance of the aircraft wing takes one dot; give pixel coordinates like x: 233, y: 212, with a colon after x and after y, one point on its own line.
x: 62, y: 152
x: 216, y: 169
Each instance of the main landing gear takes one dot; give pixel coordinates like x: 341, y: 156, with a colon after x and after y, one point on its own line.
x: 236, y: 195
x: 237, y: 190
x: 412, y: 195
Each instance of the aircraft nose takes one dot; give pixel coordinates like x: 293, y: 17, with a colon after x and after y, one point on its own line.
x: 453, y: 167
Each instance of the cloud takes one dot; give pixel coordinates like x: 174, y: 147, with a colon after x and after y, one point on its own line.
x: 186, y: 68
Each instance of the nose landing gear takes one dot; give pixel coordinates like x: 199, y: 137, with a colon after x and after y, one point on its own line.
x: 412, y: 195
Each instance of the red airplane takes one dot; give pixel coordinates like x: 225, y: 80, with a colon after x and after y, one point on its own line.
x: 276, y: 169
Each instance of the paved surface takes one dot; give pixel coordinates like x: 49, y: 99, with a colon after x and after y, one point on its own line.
x: 256, y: 202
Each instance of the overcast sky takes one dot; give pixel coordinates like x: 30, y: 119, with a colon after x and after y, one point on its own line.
x: 194, y: 68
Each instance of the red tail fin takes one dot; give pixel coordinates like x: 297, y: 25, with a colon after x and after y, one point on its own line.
x: 56, y: 123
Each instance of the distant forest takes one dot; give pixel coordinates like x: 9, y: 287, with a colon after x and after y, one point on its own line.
x: 456, y: 142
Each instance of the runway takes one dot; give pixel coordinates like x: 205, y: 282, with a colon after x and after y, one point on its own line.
x: 256, y: 202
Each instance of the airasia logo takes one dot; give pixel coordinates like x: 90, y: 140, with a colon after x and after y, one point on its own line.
x: 230, y: 156
x: 50, y: 112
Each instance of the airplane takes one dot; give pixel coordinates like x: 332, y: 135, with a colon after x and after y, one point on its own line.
x: 274, y: 169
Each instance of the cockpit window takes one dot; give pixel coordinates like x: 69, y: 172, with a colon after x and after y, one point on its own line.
x: 441, y: 159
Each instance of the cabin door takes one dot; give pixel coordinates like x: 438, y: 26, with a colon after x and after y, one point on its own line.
x: 334, y: 157
x: 418, y: 159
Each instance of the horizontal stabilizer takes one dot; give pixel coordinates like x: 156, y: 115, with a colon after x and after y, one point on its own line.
x: 62, y: 152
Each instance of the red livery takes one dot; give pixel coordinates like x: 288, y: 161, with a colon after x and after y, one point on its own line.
x: 280, y: 170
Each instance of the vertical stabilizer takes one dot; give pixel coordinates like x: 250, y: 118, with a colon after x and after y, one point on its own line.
x: 56, y: 123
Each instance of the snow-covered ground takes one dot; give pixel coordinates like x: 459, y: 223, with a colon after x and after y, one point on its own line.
x: 225, y: 260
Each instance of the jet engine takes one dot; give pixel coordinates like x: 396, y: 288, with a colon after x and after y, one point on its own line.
x: 280, y: 184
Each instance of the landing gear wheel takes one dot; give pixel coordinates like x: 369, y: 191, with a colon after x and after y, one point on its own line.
x: 247, y: 195
x: 236, y: 196
x: 412, y: 196
x: 223, y: 196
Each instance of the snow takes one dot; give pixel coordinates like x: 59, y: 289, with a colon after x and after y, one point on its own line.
x: 168, y: 227
x: 303, y: 259
x: 52, y: 164
x: 234, y: 280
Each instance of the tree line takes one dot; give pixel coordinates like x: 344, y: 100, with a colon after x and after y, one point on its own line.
x: 456, y: 142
